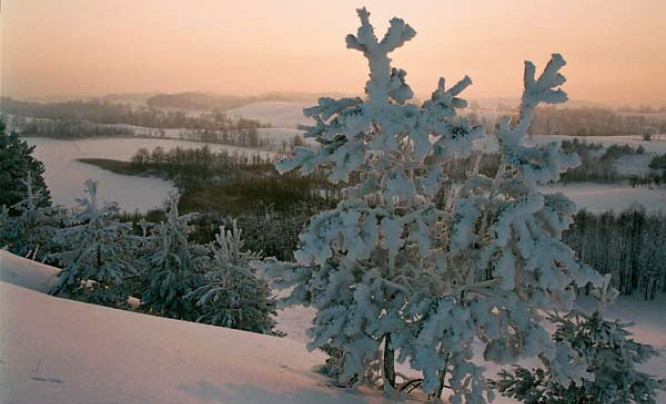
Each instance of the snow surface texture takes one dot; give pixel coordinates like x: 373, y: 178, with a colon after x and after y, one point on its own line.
x: 58, y: 351
x: 26, y: 273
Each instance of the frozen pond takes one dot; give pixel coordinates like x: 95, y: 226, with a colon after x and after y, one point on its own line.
x: 65, y: 176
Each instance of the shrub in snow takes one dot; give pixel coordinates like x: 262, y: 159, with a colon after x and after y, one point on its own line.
x: 94, y: 254
x: 390, y: 271
x: 31, y: 232
x: 171, y: 267
x: 611, y: 357
x: 231, y: 295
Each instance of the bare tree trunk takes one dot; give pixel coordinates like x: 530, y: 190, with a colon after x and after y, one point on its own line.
x: 389, y: 363
x: 442, y: 378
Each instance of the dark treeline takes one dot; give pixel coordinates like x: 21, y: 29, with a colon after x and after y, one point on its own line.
x: 630, y: 245
x: 271, y: 208
x: 197, y: 101
x: 105, y: 112
x: 643, y: 109
x: 68, y: 129
x: 212, y: 102
x: 659, y: 162
x: 593, y: 122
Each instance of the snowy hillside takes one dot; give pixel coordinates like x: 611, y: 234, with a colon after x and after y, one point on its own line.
x: 280, y: 114
x: 60, y: 351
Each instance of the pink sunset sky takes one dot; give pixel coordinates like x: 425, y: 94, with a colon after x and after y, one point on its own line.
x: 616, y: 50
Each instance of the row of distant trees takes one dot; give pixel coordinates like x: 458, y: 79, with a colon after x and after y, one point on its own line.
x: 105, y: 112
x: 629, y: 245
x: 593, y: 122
x: 67, y: 128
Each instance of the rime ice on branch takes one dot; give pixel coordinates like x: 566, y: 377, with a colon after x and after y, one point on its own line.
x: 391, y: 273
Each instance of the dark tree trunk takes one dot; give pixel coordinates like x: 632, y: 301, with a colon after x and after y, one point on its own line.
x: 389, y: 363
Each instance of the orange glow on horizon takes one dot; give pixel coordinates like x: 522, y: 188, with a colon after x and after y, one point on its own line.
x: 616, y: 51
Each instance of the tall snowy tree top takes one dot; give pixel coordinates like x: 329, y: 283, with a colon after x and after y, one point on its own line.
x: 394, y: 145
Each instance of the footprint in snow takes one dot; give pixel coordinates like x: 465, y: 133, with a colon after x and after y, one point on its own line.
x: 47, y: 379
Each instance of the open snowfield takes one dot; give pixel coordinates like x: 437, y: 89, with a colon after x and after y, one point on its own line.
x: 59, y: 351
x: 280, y: 114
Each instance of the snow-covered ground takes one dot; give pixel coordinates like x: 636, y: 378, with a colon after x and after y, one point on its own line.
x: 280, y: 114
x: 599, y: 198
x: 59, y: 351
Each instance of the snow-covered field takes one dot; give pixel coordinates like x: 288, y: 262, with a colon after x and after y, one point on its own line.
x: 599, y: 198
x: 280, y: 114
x: 59, y: 351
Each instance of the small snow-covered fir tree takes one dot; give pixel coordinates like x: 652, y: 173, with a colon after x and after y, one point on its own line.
x: 95, y: 252
x: 33, y: 228
x: 231, y: 295
x: 388, y: 270
x: 611, y: 357
x: 171, y: 267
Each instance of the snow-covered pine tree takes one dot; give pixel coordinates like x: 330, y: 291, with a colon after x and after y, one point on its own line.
x: 33, y: 228
x: 171, y: 267
x: 95, y: 252
x: 16, y: 160
x: 387, y: 269
x: 231, y: 295
x: 611, y: 356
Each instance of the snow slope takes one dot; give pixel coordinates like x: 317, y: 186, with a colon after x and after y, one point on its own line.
x: 59, y: 351
x: 26, y: 273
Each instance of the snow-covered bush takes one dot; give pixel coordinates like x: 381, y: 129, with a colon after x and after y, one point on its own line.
x: 95, y: 253
x: 30, y: 233
x: 611, y: 356
x: 390, y: 270
x: 171, y: 267
x: 231, y: 295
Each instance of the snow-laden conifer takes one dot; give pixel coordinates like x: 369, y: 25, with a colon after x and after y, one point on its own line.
x: 31, y: 232
x: 387, y: 270
x: 610, y: 356
x: 231, y: 295
x: 171, y: 266
x: 94, y: 252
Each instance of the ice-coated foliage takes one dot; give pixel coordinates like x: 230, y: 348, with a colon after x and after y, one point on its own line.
x: 171, y: 266
x: 30, y: 233
x: 610, y: 355
x: 231, y: 295
x: 95, y: 252
x: 389, y: 270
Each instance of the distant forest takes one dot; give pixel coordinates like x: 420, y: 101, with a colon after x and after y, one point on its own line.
x: 194, y: 101
x: 594, y: 122
x: 105, y: 112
